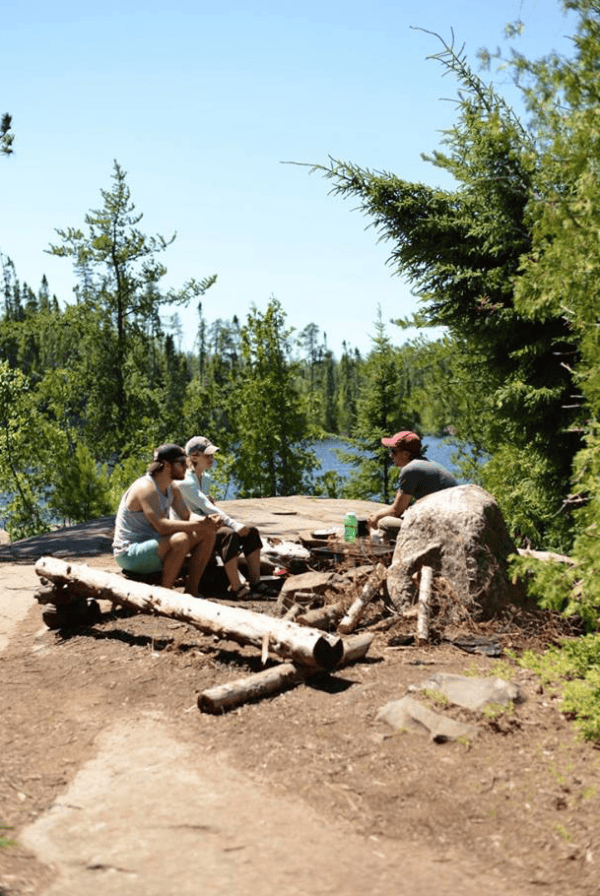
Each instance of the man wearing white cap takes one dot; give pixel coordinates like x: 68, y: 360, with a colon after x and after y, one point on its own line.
x: 233, y: 537
x: 418, y: 477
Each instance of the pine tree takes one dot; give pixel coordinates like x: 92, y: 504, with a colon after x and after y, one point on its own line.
x: 560, y: 276
x: 462, y: 250
x: 119, y: 275
x: 6, y: 137
x: 270, y: 429
x: 347, y: 389
x: 381, y: 410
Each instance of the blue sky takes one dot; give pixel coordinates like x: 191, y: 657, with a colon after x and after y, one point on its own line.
x: 202, y: 102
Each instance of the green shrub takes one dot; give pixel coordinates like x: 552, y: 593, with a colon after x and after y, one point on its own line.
x: 573, y: 669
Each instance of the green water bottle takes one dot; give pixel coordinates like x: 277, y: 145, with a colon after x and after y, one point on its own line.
x: 350, y: 527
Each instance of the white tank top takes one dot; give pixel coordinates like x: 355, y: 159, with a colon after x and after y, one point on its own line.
x: 131, y: 526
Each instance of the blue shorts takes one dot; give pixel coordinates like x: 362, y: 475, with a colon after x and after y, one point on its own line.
x: 141, y: 557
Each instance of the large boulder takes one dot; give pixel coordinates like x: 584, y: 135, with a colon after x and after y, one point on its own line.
x: 461, y: 534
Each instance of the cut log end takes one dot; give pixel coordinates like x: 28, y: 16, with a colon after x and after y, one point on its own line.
x: 328, y: 654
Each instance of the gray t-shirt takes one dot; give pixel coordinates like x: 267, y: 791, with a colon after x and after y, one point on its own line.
x: 422, y: 477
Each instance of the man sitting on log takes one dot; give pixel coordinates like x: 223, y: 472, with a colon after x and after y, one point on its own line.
x: 418, y: 477
x: 232, y: 537
x: 147, y: 539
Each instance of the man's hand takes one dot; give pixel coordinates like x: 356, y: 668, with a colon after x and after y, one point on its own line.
x: 243, y: 531
x: 205, y: 525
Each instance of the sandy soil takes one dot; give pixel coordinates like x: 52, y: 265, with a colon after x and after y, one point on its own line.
x: 302, y: 793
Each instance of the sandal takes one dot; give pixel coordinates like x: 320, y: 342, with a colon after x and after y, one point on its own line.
x: 242, y: 592
x: 261, y: 589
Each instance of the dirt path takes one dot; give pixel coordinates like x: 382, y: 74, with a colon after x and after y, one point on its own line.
x: 115, y: 783
x: 152, y: 816
x: 143, y: 807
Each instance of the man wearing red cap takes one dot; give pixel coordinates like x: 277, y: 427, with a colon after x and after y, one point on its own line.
x: 418, y: 477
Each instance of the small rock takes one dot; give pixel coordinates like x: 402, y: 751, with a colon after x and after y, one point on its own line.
x: 471, y: 693
x: 410, y: 715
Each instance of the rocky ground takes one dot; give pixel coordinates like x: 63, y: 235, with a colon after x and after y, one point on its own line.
x: 112, y: 781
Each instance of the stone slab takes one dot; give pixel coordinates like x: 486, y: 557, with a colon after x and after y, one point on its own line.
x: 471, y: 692
x: 410, y: 715
x: 275, y: 518
x: 145, y: 817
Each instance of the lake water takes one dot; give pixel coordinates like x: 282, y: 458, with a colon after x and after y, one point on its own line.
x: 326, y: 451
x: 437, y: 450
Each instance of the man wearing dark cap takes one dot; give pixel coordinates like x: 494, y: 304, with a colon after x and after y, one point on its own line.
x: 233, y: 537
x: 418, y: 477
x: 147, y: 539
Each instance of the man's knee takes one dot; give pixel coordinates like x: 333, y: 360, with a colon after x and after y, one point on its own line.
x: 228, y: 543
x: 252, y: 541
x: 180, y: 542
x: 210, y: 539
x: 390, y: 526
x: 202, y: 539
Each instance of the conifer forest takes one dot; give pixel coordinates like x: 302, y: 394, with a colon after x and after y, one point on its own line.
x: 507, y: 261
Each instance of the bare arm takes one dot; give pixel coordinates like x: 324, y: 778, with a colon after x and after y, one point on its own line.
x: 191, y: 520
x: 401, y: 502
x: 179, y: 505
x: 145, y: 499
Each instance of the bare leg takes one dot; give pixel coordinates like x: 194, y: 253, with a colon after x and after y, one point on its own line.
x: 173, y: 551
x: 253, y: 561
x: 201, y: 554
x: 231, y: 569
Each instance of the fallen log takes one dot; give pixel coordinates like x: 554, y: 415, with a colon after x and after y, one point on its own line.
x: 253, y: 687
x: 356, y: 648
x: 304, y: 646
x: 271, y: 681
x: 287, y: 599
x: 322, y: 617
x: 369, y: 591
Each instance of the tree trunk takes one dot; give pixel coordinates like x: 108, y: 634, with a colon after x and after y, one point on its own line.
x: 304, y: 646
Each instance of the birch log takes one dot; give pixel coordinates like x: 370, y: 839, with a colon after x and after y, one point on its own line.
x: 321, y: 618
x: 423, y: 605
x: 253, y: 687
x: 293, y: 612
x: 272, y: 681
x: 546, y: 555
x: 369, y: 591
x: 304, y: 646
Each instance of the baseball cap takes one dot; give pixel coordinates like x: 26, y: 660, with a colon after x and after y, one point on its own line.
x: 168, y: 453
x: 406, y: 437
x: 200, y: 445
